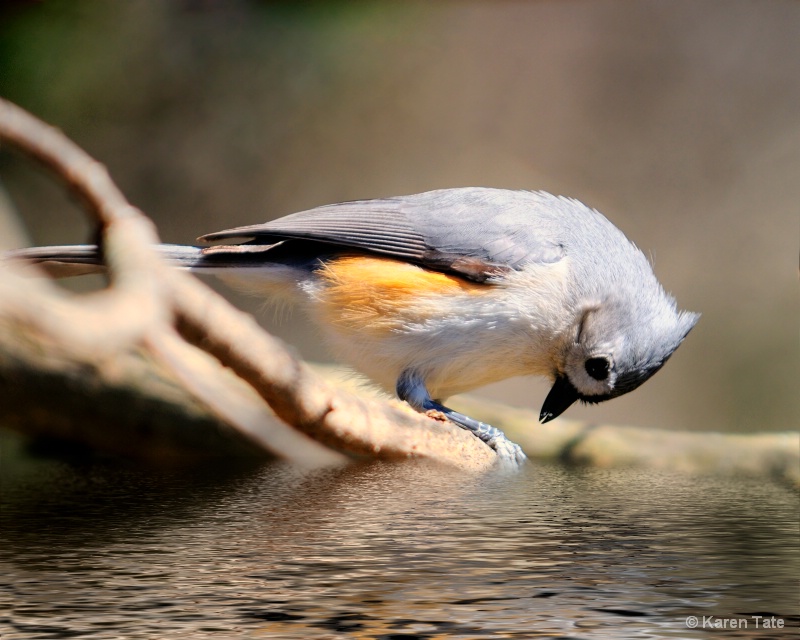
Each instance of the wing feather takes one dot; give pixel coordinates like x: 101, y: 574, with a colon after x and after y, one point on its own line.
x: 473, y: 232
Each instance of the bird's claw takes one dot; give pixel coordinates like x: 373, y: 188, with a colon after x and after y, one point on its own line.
x: 508, y: 453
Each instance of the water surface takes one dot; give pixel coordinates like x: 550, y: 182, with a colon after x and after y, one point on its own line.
x: 103, y: 549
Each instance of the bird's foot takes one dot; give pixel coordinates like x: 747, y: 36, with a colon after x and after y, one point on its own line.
x: 411, y: 388
x: 508, y: 452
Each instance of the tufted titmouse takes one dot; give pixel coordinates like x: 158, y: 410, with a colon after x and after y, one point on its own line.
x: 440, y: 292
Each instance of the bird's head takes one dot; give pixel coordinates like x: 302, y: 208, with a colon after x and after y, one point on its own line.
x: 612, y: 349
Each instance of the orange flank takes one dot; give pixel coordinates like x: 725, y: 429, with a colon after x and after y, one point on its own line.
x: 368, y: 294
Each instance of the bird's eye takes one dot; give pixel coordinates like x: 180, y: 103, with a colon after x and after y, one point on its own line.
x: 597, y: 368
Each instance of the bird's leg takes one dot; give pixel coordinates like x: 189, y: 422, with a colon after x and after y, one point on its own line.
x: 412, y: 389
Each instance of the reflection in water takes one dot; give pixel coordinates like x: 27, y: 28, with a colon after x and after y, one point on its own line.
x: 99, y: 550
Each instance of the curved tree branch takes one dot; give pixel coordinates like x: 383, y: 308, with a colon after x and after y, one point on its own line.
x: 146, y: 300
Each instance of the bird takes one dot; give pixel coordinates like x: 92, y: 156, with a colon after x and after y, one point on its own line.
x: 437, y: 293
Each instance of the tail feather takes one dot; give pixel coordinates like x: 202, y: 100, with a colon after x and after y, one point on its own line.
x: 74, y: 260
x: 59, y: 261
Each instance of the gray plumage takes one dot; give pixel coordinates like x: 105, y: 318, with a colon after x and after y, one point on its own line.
x: 474, y: 232
x: 478, y: 233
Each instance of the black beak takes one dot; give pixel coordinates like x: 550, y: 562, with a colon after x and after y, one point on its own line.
x: 561, y: 396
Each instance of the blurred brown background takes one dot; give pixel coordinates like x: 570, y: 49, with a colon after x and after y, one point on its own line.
x: 678, y: 120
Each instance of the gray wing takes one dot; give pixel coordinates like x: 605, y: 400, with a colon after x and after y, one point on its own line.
x: 473, y: 232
